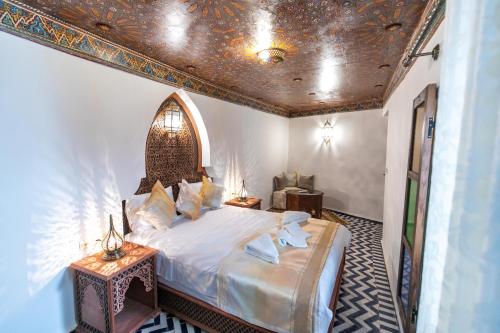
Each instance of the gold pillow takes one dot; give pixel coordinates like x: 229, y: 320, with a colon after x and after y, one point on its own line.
x: 159, y: 209
x: 211, y: 193
x: 188, y: 202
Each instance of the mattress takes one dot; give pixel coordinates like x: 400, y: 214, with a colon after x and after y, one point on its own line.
x: 191, y: 253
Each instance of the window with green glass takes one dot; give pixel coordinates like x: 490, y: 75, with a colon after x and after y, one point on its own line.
x: 411, y: 211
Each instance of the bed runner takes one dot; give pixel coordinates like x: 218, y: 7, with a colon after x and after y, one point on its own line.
x: 278, y: 297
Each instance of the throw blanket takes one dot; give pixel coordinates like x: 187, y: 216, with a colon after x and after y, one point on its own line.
x: 278, y: 297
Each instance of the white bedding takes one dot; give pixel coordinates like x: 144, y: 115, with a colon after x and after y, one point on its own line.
x: 191, y: 253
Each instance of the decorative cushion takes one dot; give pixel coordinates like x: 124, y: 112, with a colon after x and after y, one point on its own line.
x: 306, y: 182
x: 211, y: 193
x: 290, y: 179
x: 158, y: 209
x: 279, y: 182
x: 188, y: 201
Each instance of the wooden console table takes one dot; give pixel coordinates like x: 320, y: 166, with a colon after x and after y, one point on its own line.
x: 309, y: 201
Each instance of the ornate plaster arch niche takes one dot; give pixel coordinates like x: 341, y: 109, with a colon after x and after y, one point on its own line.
x: 171, y: 157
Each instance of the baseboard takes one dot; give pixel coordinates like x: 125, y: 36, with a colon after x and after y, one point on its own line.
x: 394, y: 299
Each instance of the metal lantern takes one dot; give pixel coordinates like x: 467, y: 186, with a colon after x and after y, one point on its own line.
x: 243, y: 192
x: 112, y: 243
x: 173, y: 119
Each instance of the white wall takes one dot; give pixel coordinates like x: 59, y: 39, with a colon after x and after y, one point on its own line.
x: 349, y: 170
x: 461, y: 272
x: 399, y: 106
x: 72, y: 136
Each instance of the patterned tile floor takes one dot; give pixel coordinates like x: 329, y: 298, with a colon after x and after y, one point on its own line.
x: 365, y: 302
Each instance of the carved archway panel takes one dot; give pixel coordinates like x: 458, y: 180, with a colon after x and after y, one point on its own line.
x: 171, y: 157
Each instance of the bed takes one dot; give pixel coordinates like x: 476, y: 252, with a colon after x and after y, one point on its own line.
x: 202, y: 267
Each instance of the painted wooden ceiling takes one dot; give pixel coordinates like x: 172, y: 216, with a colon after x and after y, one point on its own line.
x: 344, y: 51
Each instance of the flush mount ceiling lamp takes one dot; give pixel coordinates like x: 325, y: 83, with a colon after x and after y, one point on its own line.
x: 273, y: 55
x: 173, y: 120
x: 409, y: 58
x: 327, y: 132
x: 103, y: 26
x: 393, y: 26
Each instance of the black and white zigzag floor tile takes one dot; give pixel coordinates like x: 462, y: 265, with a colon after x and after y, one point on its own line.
x: 365, y: 301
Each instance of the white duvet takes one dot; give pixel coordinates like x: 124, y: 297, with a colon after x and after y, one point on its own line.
x: 191, y: 253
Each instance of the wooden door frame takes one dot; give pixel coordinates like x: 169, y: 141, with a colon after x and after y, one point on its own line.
x: 428, y: 99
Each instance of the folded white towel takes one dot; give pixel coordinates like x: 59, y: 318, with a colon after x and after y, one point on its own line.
x: 291, y: 216
x: 263, y: 247
x: 284, y: 237
x: 295, y: 230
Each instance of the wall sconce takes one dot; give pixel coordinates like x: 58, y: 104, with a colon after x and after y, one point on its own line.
x: 409, y: 58
x: 173, y: 120
x: 243, y: 192
x: 327, y: 132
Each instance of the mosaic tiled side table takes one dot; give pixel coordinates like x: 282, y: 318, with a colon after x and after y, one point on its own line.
x: 116, y: 296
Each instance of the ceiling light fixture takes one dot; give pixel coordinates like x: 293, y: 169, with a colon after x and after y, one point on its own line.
x: 103, y: 26
x: 297, y: 79
x: 273, y: 55
x: 393, y: 26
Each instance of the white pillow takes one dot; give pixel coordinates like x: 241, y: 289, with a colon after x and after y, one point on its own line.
x: 290, y: 216
x: 196, y: 187
x: 188, y: 202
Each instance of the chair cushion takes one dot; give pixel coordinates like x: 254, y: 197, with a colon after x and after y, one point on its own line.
x: 279, y: 182
x: 306, y: 182
x: 290, y: 179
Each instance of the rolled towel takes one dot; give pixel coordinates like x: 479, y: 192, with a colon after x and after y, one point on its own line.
x: 263, y: 247
x: 284, y: 237
x: 295, y: 230
x: 291, y: 216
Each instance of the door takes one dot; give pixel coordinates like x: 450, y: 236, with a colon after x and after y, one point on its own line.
x: 417, y: 191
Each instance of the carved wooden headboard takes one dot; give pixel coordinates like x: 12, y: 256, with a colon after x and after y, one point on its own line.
x: 170, y: 157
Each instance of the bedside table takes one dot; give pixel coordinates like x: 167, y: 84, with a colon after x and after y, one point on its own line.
x: 252, y: 203
x: 116, y: 296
